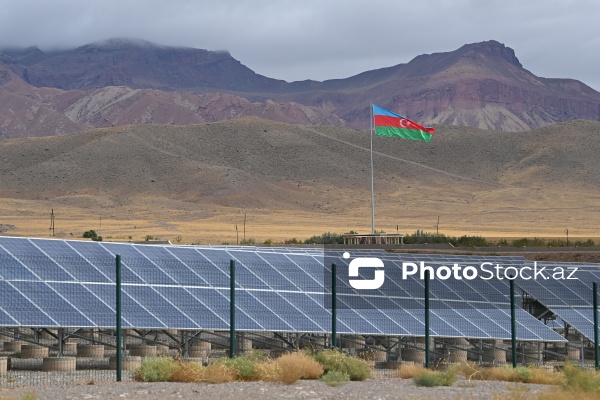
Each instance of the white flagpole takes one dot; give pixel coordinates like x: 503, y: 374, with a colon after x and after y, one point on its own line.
x: 372, y: 185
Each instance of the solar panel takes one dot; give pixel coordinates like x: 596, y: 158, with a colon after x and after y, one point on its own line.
x: 570, y: 299
x: 55, y: 283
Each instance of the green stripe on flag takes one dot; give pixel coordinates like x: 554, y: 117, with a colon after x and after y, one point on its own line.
x: 412, y: 134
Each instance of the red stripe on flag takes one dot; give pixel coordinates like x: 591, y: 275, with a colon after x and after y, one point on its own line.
x: 395, y: 122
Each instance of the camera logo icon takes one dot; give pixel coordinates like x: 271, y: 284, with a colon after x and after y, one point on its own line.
x: 365, y: 262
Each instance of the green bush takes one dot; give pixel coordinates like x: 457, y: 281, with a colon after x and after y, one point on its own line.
x: 525, y: 242
x: 422, y: 237
x: 335, y: 361
x: 435, y: 378
x: 91, y: 234
x: 155, y: 369
x: 334, y: 378
x: 471, y: 241
x: 587, y: 243
x: 325, y: 238
x: 244, y: 367
x: 523, y: 374
x: 579, y: 379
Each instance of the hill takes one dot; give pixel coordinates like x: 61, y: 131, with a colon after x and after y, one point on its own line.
x: 124, y: 81
x: 197, y: 181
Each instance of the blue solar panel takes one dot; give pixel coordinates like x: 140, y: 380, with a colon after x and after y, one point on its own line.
x: 99, y: 313
x: 35, y: 260
x: 21, y: 309
x: 278, y: 289
x: 571, y: 300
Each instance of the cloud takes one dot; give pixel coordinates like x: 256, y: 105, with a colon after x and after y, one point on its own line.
x: 323, y: 39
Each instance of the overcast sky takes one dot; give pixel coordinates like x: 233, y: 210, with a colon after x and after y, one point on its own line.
x: 324, y: 39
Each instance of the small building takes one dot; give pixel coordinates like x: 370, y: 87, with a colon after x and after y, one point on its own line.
x: 377, y: 238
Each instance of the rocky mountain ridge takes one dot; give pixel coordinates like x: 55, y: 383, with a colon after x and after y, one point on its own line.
x: 124, y: 81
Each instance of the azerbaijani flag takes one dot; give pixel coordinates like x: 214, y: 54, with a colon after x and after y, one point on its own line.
x: 387, y: 123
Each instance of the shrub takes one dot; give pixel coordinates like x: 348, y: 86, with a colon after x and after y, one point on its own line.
x: 509, y: 374
x: 90, y: 234
x: 155, y: 369
x: 325, y: 238
x: 297, y: 366
x: 421, y: 237
x: 244, y: 368
x: 436, y: 378
x: 576, y: 378
x: 407, y: 371
x: 188, y: 372
x: 525, y: 242
x: 268, y: 371
x: 334, y: 360
x: 471, y: 241
x: 587, y: 243
x: 578, y: 384
x: 218, y: 373
x: 334, y: 378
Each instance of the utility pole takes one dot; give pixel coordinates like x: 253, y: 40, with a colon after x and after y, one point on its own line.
x: 52, y: 223
x: 244, y: 227
x: 237, y: 235
x: 437, y: 227
x: 567, y: 233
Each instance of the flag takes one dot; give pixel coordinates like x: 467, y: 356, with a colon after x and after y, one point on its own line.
x: 387, y: 123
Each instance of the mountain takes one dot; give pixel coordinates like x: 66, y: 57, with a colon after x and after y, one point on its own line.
x: 197, y: 181
x: 138, y: 64
x: 121, y: 81
x: 26, y: 110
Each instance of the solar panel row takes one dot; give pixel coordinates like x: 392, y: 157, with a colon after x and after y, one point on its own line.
x: 55, y: 283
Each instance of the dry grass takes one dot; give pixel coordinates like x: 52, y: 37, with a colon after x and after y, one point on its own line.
x: 407, y: 371
x: 576, y: 384
x: 269, y: 371
x: 188, y: 372
x: 297, y: 366
x: 218, y: 373
x: 507, y: 374
x: 196, y: 373
x: 514, y: 393
x: 557, y: 393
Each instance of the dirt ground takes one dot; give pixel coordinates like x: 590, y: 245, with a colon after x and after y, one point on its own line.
x: 372, y: 389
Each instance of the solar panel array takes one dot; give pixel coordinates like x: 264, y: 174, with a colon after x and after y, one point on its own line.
x: 570, y: 299
x: 56, y: 283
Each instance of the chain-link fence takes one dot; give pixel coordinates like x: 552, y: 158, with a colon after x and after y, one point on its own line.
x: 59, y: 314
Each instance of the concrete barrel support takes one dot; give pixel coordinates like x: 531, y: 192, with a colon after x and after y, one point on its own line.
x: 59, y: 364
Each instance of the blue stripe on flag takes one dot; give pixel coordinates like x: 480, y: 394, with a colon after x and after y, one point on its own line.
x: 382, y: 111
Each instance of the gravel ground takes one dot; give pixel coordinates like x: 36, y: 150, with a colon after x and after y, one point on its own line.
x: 371, y: 389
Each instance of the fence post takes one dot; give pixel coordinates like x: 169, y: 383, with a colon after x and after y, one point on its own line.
x: 596, y: 354
x: 232, y: 308
x: 119, y: 330
x: 513, y: 323
x: 333, y: 305
x: 427, y: 350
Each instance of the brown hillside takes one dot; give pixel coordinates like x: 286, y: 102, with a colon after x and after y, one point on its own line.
x: 197, y: 181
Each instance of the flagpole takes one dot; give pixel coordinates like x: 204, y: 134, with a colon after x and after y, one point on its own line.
x: 372, y: 185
